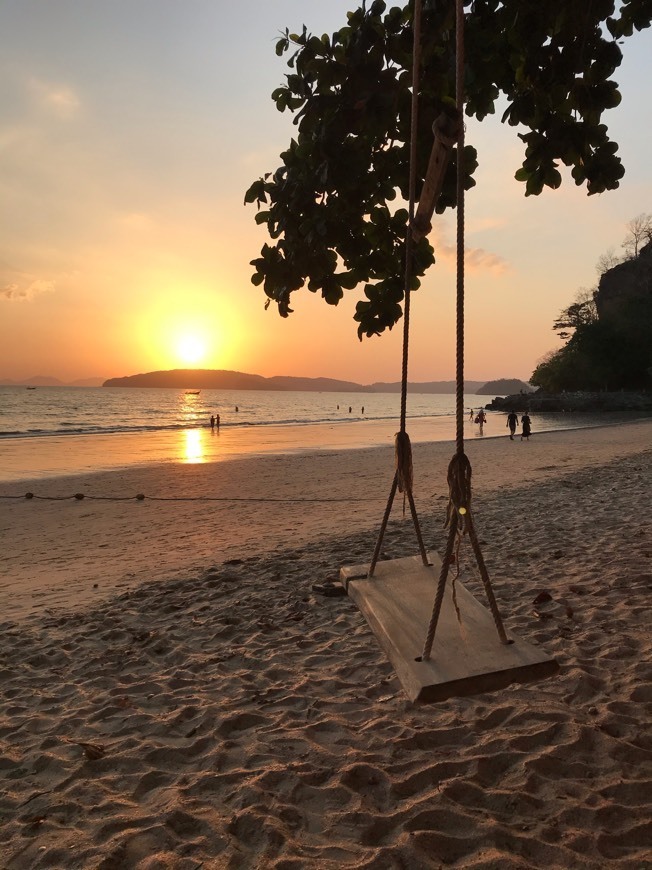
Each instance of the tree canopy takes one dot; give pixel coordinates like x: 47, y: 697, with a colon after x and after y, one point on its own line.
x: 330, y: 208
x: 578, y: 315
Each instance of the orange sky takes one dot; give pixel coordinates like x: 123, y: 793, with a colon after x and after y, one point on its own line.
x: 129, y: 135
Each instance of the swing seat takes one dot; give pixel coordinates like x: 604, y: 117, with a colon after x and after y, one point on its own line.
x: 467, y: 657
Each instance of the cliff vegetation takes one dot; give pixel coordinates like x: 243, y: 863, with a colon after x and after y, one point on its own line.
x: 608, y: 330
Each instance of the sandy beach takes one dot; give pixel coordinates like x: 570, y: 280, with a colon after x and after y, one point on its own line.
x: 175, y: 695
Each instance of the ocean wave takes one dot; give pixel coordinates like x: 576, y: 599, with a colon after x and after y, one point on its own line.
x: 68, y: 428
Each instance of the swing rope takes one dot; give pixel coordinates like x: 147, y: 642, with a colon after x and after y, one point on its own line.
x: 412, y: 189
x: 403, y: 476
x: 459, y: 518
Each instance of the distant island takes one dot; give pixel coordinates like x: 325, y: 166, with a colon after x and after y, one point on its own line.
x: 504, y: 387
x: 45, y: 381
x: 220, y: 379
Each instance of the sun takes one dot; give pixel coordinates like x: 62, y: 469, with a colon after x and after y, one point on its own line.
x: 190, y: 348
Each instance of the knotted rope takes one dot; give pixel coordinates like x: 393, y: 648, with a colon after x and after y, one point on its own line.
x: 403, y: 475
x: 404, y: 469
x: 459, y: 519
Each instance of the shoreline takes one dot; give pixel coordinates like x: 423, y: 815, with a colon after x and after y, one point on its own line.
x: 226, y: 716
x: 54, y: 456
x: 65, y: 551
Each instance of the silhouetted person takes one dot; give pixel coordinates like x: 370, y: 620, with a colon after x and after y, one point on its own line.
x: 512, y: 422
x: 527, y: 426
x: 212, y: 422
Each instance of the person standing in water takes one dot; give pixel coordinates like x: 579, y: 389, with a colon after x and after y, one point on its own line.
x: 512, y: 422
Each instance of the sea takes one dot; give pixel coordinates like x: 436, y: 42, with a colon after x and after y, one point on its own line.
x: 42, y: 412
x: 46, y: 412
x: 52, y: 431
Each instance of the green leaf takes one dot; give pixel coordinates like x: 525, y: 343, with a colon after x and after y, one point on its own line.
x: 331, y: 203
x: 553, y: 178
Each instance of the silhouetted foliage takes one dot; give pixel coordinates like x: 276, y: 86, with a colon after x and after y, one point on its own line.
x: 609, y: 345
x: 330, y: 207
x: 607, y: 261
x: 577, y: 315
x: 639, y: 233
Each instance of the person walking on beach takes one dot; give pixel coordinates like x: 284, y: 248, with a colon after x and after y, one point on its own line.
x: 212, y: 422
x: 527, y: 426
x: 512, y: 422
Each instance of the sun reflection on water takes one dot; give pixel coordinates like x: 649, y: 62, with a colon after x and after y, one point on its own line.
x: 192, y: 448
x: 190, y: 408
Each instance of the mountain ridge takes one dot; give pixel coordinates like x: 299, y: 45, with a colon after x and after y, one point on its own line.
x: 47, y: 381
x: 226, y: 379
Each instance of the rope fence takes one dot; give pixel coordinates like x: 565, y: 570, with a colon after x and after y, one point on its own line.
x: 81, y: 496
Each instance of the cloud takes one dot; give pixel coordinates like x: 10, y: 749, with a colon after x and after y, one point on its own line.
x: 59, y: 99
x: 479, y: 259
x: 26, y: 291
x: 476, y: 259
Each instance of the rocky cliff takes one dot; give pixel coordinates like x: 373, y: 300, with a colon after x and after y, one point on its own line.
x: 624, y: 284
x: 574, y: 401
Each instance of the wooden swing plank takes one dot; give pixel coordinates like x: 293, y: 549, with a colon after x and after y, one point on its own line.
x: 467, y: 658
